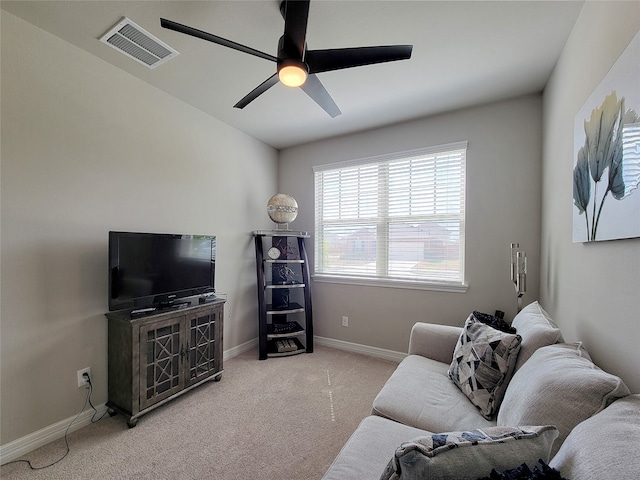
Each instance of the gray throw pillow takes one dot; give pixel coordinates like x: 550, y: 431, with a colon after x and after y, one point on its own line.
x: 469, y: 455
x: 537, y: 330
x: 559, y: 385
x: 483, y: 363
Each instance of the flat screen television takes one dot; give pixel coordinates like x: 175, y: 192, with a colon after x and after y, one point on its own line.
x: 156, y: 269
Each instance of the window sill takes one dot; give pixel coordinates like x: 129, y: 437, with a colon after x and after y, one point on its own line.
x: 388, y: 283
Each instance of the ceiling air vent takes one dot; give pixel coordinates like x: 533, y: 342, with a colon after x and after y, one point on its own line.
x: 135, y: 42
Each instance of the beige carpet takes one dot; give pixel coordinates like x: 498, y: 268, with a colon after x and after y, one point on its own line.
x: 281, y: 418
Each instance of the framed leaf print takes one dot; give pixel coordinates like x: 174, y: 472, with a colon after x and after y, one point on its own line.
x: 606, y: 172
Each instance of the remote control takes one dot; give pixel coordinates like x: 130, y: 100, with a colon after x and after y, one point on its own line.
x: 144, y: 310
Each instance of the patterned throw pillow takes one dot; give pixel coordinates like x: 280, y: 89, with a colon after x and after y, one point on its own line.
x: 468, y: 455
x: 483, y: 363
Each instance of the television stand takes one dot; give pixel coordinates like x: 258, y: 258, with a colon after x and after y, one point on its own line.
x: 162, y: 355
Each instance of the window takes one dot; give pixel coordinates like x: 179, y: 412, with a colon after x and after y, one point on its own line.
x: 393, y: 219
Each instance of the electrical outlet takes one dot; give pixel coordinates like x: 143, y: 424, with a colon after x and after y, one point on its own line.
x: 82, y: 381
x: 345, y: 321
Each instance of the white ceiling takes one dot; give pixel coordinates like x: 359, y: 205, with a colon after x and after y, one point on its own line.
x: 465, y: 53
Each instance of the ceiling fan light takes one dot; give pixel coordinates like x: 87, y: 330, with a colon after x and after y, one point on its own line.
x: 292, y: 75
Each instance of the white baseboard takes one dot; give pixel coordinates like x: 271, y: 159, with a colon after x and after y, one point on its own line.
x: 22, y: 446
x: 28, y: 443
x: 235, y: 351
x: 359, y: 348
x: 332, y: 343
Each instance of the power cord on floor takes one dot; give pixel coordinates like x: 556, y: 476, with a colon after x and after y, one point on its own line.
x: 66, y: 432
x: 95, y: 411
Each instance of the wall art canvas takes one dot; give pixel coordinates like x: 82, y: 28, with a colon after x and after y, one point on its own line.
x: 606, y: 172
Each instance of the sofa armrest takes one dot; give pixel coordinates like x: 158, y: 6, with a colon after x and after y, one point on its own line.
x: 434, y: 341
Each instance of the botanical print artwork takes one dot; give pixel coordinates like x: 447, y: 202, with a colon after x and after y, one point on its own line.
x: 606, y: 173
x: 601, y: 162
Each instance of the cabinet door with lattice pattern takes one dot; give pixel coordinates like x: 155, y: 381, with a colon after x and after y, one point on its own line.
x: 204, y: 341
x: 161, y: 351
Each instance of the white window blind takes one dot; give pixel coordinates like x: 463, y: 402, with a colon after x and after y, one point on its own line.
x: 397, y: 217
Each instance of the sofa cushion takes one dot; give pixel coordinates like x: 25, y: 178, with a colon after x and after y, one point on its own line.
x: 369, y: 448
x: 537, y: 330
x: 559, y: 385
x: 469, y: 455
x: 483, y: 362
x: 605, y: 445
x: 420, y: 393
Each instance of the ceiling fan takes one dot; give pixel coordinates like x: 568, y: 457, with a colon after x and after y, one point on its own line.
x: 297, y: 66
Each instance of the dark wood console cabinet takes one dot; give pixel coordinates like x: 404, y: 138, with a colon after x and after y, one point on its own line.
x: 154, y: 358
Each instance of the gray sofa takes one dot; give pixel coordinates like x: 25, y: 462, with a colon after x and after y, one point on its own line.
x: 591, y: 422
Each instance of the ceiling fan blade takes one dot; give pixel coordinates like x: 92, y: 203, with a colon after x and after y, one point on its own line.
x: 338, y: 58
x: 194, y: 32
x: 314, y: 88
x: 296, y: 15
x: 256, y: 92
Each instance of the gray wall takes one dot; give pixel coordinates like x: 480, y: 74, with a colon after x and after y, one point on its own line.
x: 503, y: 206
x: 592, y: 290
x: 87, y: 148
